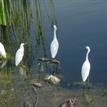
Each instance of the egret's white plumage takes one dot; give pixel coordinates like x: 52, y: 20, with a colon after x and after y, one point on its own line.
x: 2, y: 50
x: 86, y: 66
x: 19, y: 54
x: 54, y: 44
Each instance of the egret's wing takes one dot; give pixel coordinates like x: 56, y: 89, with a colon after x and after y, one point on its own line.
x: 85, y: 70
x: 2, y: 50
x: 19, y: 56
x: 54, y: 48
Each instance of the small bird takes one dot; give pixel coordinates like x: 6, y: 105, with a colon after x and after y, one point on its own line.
x: 54, y: 44
x: 86, y: 66
x: 19, y: 54
x: 2, y: 50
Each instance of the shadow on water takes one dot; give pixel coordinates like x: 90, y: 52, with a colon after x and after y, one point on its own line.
x: 25, y: 85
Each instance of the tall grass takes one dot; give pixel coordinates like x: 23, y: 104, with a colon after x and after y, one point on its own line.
x: 2, y: 13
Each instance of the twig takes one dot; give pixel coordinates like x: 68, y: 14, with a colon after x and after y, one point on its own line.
x: 35, y: 90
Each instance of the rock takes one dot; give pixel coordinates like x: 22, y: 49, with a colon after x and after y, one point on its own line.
x: 55, y: 61
x: 37, y: 85
x: 68, y: 103
x: 43, y: 59
x: 53, y: 79
x: 47, y: 60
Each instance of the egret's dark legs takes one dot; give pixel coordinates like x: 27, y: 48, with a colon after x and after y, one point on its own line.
x: 39, y: 70
x: 88, y: 82
x: 84, y: 85
x: 89, y: 85
x: 54, y: 68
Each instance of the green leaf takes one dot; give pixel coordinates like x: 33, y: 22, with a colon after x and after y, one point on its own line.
x: 2, y: 13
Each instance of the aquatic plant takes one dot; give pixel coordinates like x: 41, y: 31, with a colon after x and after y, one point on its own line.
x: 2, y: 13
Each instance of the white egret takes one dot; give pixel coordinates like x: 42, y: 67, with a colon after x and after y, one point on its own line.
x: 86, y: 66
x: 54, y: 44
x: 19, y: 54
x: 2, y: 50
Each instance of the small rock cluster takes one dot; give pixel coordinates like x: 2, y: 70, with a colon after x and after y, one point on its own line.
x: 69, y: 103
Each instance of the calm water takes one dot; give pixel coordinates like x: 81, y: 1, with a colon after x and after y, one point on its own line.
x: 81, y: 23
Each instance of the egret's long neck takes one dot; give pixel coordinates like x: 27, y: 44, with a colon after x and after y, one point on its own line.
x: 22, y: 47
x: 87, y: 54
x: 55, y: 33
